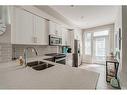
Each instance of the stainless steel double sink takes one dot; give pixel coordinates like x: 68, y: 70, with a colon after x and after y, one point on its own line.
x: 39, y: 65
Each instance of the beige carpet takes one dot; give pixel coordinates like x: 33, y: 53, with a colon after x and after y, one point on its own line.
x: 102, y: 84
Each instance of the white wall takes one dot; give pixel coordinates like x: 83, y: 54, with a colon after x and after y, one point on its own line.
x: 42, y: 50
x: 88, y: 58
x: 117, y: 25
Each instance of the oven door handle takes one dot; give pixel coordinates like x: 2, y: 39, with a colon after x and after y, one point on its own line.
x: 60, y: 59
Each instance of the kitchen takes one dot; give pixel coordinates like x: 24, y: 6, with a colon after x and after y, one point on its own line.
x: 37, y: 51
x: 41, y: 49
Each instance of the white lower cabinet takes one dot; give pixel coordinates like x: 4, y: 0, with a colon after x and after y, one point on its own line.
x: 28, y: 28
x: 69, y: 59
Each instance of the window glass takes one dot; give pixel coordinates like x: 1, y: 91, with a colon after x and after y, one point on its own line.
x: 101, y: 33
x: 100, y: 47
x: 88, y: 43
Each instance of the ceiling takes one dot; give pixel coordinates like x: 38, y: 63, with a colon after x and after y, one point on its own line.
x: 87, y: 16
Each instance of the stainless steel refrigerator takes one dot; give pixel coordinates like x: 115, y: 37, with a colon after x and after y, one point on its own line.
x: 76, y: 54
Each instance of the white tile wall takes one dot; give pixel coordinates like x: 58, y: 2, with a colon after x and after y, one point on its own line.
x: 8, y: 51
x: 18, y: 50
x: 5, y: 52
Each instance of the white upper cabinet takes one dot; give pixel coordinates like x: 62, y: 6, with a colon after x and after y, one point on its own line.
x: 52, y: 28
x: 66, y: 37
x: 28, y: 28
x: 55, y: 29
x: 77, y: 34
x: 64, y: 40
x: 69, y: 38
x: 22, y: 27
x: 58, y: 30
x: 40, y: 31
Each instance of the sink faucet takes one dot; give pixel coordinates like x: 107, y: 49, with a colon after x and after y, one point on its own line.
x: 26, y: 53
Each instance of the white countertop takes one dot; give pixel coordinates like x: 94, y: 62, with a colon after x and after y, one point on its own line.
x: 13, y: 76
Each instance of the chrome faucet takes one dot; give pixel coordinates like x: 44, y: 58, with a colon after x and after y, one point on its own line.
x: 26, y: 53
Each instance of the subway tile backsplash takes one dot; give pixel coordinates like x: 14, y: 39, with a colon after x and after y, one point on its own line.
x: 19, y: 49
x: 8, y: 51
x: 5, y: 52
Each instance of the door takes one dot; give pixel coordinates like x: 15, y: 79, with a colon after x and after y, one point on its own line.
x: 100, y: 48
x: 96, y: 46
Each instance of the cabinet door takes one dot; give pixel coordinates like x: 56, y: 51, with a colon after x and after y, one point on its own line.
x: 41, y: 32
x: 23, y: 27
x: 64, y: 38
x: 58, y: 30
x: 66, y: 35
x: 76, y: 34
x: 69, y: 59
x: 52, y: 28
x: 68, y: 38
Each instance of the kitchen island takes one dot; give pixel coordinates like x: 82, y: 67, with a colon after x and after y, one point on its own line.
x: 14, y: 76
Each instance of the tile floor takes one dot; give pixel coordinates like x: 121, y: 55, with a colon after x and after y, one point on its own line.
x: 102, y: 84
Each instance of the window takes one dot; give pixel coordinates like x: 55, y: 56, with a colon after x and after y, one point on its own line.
x: 97, y: 44
x: 100, y: 47
x: 88, y: 43
x: 101, y: 33
x: 101, y: 44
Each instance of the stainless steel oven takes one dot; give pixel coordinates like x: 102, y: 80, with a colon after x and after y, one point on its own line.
x: 57, y: 57
x: 53, y: 40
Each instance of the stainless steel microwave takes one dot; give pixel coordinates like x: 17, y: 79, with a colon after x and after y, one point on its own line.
x: 53, y: 40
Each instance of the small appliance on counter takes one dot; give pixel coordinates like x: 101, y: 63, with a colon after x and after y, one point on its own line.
x: 66, y: 49
x: 69, y: 50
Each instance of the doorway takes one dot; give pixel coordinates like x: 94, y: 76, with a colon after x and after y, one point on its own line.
x: 100, y: 49
x: 97, y: 46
